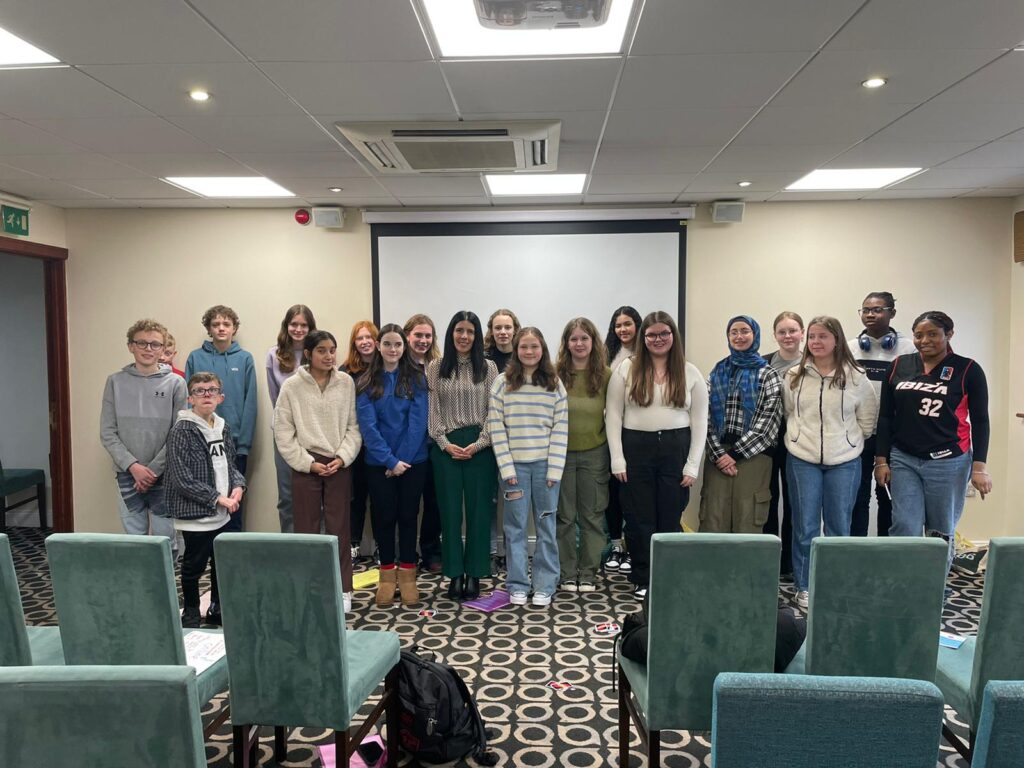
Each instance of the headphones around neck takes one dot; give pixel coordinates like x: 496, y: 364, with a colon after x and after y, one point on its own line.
x: 888, y: 342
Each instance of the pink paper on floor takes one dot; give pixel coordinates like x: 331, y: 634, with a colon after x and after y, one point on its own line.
x: 327, y: 756
x: 492, y: 602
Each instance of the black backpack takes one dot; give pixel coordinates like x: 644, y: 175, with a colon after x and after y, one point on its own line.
x: 439, y: 719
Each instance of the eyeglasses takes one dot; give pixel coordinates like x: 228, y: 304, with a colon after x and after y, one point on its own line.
x: 875, y: 310
x: 741, y: 332
x: 660, y: 335
x: 156, y: 346
x: 204, y: 392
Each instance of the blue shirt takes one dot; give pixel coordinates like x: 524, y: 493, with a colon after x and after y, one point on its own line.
x: 394, y: 428
x: 237, y: 374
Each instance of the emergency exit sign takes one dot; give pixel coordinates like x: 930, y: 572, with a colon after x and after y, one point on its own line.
x: 15, y: 220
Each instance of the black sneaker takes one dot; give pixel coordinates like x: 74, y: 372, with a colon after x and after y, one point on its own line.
x: 213, y: 615
x: 625, y: 563
x: 190, y: 618
x: 639, y: 593
x: 614, y: 558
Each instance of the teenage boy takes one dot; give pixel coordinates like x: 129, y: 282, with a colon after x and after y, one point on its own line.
x: 874, y: 349
x: 204, y: 489
x: 140, y: 404
x: 234, y: 367
x: 169, y: 353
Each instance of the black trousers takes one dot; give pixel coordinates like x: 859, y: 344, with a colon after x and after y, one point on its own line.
x: 652, y: 498
x: 199, y: 552
x: 360, y: 494
x: 783, y: 528
x: 861, y: 507
x: 396, y: 504
x: 613, y: 513
x: 430, y: 523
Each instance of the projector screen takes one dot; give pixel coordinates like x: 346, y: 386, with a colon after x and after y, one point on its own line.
x: 547, y: 273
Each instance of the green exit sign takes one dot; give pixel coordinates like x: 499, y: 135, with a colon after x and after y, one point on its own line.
x: 15, y: 220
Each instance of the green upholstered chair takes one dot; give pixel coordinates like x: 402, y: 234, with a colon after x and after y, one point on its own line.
x: 115, y: 717
x: 14, y: 481
x: 21, y: 645
x: 875, y: 608
x: 713, y: 606
x: 1000, y: 741
x: 808, y: 721
x: 117, y: 604
x: 997, y: 653
x: 291, y: 660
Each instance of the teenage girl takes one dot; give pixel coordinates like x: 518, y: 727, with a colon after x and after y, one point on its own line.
x: 362, y: 345
x: 583, y: 494
x: 392, y: 410
x: 619, y: 344
x: 461, y: 458
x: 317, y: 433
x: 502, y: 326
x: 657, y: 419
x: 927, y: 399
x: 830, y: 410
x: 283, y: 361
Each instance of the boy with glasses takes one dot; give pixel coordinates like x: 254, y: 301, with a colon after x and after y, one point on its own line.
x: 874, y: 349
x: 140, y: 403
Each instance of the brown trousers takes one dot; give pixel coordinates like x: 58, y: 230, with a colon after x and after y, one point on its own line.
x: 324, y: 501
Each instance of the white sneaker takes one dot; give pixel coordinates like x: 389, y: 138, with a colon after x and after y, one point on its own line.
x: 517, y: 598
x: 347, y: 600
x: 639, y: 593
x: 612, y: 563
x: 586, y: 586
x: 802, y: 599
x: 541, y: 599
x: 355, y: 552
x: 568, y: 586
x: 625, y: 563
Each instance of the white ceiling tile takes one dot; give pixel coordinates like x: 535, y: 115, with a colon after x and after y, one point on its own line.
x: 676, y: 127
x: 434, y: 185
x: 576, y: 126
x: 816, y: 196
x: 632, y: 197
x: 704, y: 80
x: 998, y: 154
x: 172, y: 164
x: 712, y: 26
x: 355, y: 201
x: 615, y: 158
x: 88, y: 202
x: 539, y: 200
x: 65, y: 92
x: 532, y: 86
x: 126, y: 134
x: 73, y: 166
x: 10, y: 172
x: 270, y: 202
x: 363, y: 88
x: 903, y: 194
x: 320, y: 30
x: 575, y: 156
x: 655, y: 184
x: 809, y: 125
x: 938, y: 178
x: 951, y: 122
x: 132, y: 188
x: 314, y: 165
x: 875, y: 153
x: 236, y: 88
x: 266, y: 134
x: 933, y: 24
x: 178, y: 202
x: 746, y: 160
x: 1000, y: 82
x: 45, y: 189
x: 116, y: 31
x: 317, y: 187
x: 18, y: 138
x: 442, y: 202
x: 726, y: 183
x: 709, y: 197
x: 995, y: 192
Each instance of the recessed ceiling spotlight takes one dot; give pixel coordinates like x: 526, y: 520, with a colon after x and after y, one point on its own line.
x: 335, y: 189
x: 874, y: 82
x: 199, y: 94
x: 743, y: 183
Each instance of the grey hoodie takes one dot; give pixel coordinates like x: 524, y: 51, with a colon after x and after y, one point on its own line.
x: 138, y: 412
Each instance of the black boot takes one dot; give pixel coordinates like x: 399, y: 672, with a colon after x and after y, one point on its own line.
x: 213, y: 615
x: 190, y: 619
x: 455, y: 588
x: 472, y: 590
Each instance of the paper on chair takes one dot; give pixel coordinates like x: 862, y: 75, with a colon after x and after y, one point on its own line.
x: 203, y: 649
x: 949, y: 640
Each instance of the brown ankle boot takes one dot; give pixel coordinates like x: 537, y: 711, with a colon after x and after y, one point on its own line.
x: 407, y: 585
x: 386, y: 588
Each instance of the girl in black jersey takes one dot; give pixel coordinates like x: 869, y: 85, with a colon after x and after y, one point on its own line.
x: 923, y: 427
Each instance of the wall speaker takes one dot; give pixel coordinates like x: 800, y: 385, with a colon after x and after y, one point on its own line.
x: 727, y: 212
x: 330, y: 217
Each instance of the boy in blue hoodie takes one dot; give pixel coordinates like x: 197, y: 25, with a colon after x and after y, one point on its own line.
x: 140, y: 405
x: 236, y: 370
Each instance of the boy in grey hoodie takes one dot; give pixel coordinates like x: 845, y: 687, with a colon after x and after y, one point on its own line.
x: 140, y: 403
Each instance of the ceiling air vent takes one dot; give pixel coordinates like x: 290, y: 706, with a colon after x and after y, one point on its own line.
x: 525, y: 145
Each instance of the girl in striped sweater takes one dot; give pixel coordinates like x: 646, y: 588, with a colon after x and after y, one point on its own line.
x: 528, y: 422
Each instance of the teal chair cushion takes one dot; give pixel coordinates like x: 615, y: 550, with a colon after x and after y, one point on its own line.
x: 45, y: 645
x: 21, y: 645
x: 713, y: 607
x: 116, y: 717
x: 953, y: 676
x: 14, y: 480
x: 291, y: 660
x: 875, y: 607
x: 1000, y: 740
x: 809, y: 721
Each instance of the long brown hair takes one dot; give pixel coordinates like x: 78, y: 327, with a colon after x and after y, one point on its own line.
x: 842, y: 358
x: 596, y: 363
x: 641, y: 388
x: 285, y: 358
x: 489, y: 336
x: 410, y: 376
x: 544, y: 376
x: 421, y: 319
x: 354, y: 362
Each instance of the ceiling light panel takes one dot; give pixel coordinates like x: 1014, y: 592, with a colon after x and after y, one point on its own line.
x: 502, y: 185
x: 851, y: 178
x: 460, y: 33
x: 15, y: 52
x: 229, y: 186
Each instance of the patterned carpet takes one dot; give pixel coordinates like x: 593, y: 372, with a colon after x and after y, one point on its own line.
x: 508, y: 658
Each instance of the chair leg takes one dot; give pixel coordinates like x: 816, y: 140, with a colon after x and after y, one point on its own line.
x: 624, y: 694
x: 240, y: 746
x: 280, y: 744
x: 41, y: 501
x: 653, y: 748
x: 965, y: 750
x: 393, y: 715
x: 342, y: 745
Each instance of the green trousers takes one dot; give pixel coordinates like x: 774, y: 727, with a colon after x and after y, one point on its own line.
x: 736, y: 504
x: 582, y: 500
x: 469, y: 485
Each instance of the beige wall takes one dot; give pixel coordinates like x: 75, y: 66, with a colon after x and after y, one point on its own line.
x: 1015, y: 443
x: 809, y: 257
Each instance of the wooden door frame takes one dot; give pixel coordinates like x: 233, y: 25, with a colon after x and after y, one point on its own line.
x: 55, y: 297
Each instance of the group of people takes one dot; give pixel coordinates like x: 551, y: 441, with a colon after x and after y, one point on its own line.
x: 598, y: 444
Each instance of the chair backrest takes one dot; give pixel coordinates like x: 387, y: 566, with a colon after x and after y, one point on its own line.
x: 876, y: 606
x: 1000, y: 737
x: 713, y: 607
x: 115, y: 598
x: 14, y: 647
x: 117, y: 717
x: 999, y: 652
x: 284, y: 628
x: 808, y: 720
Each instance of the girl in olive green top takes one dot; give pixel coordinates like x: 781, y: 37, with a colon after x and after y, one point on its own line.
x: 583, y: 495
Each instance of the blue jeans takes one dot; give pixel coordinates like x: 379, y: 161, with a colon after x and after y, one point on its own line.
x: 819, y: 492
x: 531, y: 486
x: 928, y: 495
